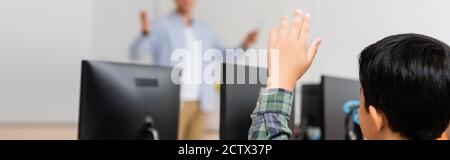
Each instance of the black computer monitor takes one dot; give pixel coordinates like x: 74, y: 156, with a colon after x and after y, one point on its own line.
x: 127, y: 102
x: 336, y: 92
x: 322, y: 106
x: 311, y: 111
x: 237, y: 101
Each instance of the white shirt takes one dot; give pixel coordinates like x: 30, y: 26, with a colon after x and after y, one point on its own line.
x: 192, y: 70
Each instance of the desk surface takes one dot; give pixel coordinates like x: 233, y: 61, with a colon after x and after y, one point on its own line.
x: 59, y: 132
x: 54, y: 132
x: 38, y: 132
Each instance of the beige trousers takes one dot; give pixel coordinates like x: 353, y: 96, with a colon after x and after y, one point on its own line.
x: 192, y: 123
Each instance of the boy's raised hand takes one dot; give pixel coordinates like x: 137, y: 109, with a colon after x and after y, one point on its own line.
x: 290, y: 54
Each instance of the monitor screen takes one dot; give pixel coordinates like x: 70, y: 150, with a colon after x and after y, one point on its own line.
x: 239, y: 94
x: 336, y: 92
x: 127, y: 101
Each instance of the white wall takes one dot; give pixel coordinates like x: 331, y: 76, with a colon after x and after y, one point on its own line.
x: 115, y: 24
x: 233, y: 19
x: 41, y: 45
x: 347, y: 26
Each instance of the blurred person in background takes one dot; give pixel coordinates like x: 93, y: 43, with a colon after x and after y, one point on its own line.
x: 179, y: 30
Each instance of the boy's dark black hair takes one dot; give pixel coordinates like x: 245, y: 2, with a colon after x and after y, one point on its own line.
x: 407, y: 77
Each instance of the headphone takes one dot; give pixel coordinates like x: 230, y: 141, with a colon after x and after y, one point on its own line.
x: 352, y: 129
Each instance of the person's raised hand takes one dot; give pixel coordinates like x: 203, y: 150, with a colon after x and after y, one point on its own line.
x: 145, y: 22
x: 251, y: 39
x: 290, y: 54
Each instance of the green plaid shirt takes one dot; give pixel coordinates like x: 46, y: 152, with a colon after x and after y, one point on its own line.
x: 270, y: 119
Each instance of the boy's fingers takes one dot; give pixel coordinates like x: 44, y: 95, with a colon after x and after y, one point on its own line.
x: 272, y: 45
x: 273, y: 36
x: 312, y: 51
x: 296, y: 25
x: 305, y: 29
x: 283, y: 28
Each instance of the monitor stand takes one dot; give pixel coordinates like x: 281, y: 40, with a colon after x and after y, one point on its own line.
x: 149, y: 132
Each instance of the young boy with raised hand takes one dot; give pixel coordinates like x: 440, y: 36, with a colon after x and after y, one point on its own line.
x: 405, y: 84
